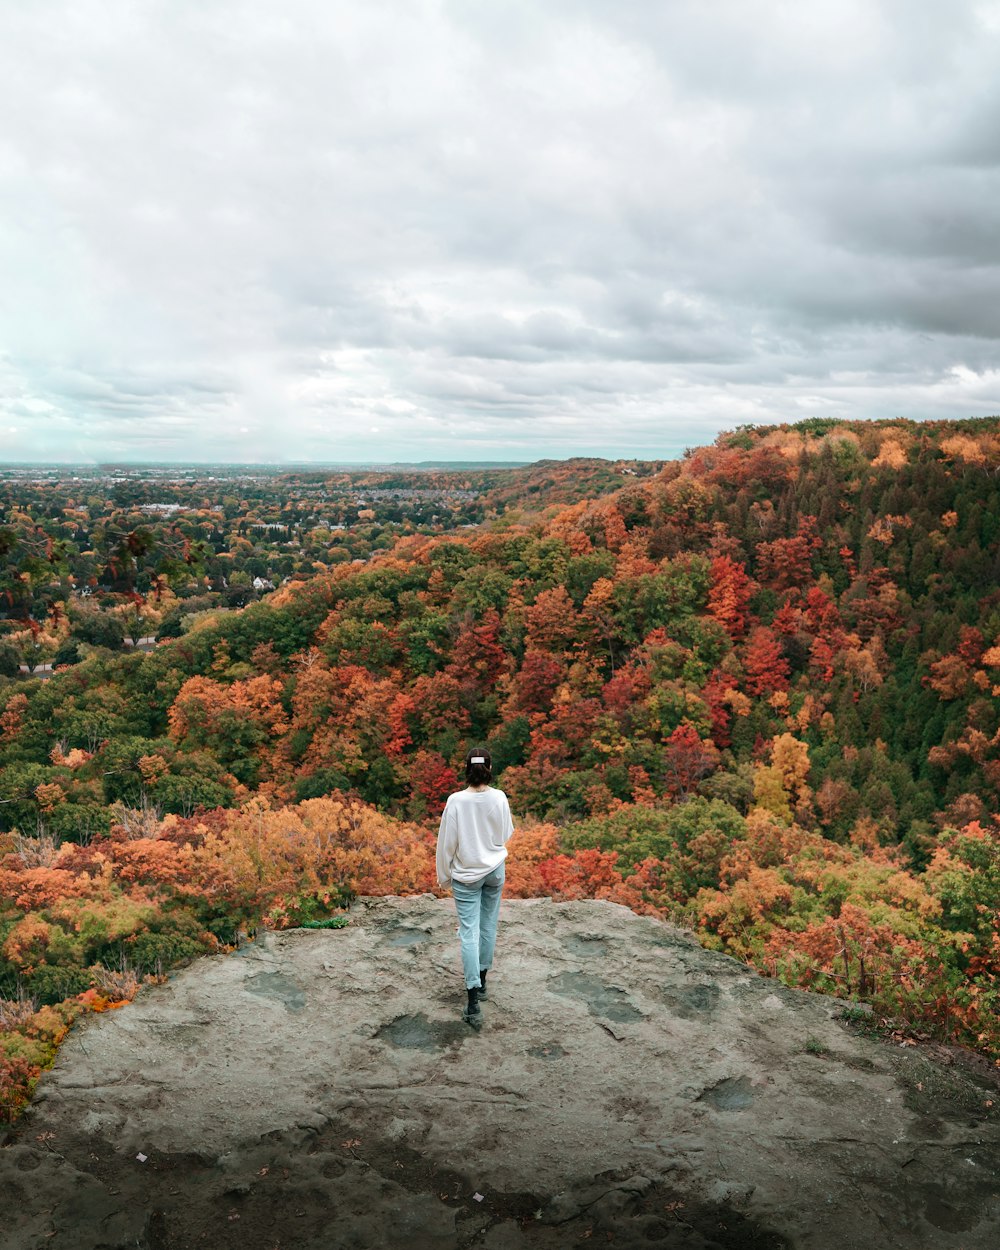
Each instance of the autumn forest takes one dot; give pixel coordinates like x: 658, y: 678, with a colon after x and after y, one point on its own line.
x: 753, y: 692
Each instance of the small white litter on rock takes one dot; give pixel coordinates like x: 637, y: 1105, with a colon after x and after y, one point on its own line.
x: 142, y: 1158
x: 477, y: 1197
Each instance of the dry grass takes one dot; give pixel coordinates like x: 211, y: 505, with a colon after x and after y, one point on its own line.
x: 118, y: 984
x: 16, y: 1012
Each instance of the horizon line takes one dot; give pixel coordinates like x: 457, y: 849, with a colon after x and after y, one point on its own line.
x: 321, y: 464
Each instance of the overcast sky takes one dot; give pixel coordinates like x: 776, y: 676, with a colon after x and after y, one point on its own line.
x: 331, y: 230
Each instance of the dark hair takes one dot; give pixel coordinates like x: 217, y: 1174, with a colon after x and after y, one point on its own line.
x: 478, y: 774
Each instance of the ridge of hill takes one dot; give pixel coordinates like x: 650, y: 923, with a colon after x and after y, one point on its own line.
x: 319, y: 1088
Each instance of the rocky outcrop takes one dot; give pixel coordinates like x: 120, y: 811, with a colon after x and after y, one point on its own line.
x: 319, y: 1089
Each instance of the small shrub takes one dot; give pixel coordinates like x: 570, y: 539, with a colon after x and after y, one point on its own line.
x: 18, y: 1078
x: 50, y: 984
x: 153, y: 952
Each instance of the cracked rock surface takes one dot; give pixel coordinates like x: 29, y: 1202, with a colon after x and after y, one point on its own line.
x: 319, y: 1089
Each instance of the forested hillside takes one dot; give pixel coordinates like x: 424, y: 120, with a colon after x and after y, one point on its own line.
x: 755, y: 692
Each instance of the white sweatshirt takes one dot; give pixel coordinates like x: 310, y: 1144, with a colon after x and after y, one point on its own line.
x: 475, y: 828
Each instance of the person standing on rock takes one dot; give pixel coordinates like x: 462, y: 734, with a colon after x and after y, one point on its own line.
x: 471, y: 848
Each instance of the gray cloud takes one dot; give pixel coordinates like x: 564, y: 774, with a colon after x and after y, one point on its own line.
x: 353, y: 231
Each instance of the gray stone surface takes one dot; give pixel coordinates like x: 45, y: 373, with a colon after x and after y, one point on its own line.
x: 319, y: 1089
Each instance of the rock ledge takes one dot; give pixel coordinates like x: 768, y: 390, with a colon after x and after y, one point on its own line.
x: 319, y: 1089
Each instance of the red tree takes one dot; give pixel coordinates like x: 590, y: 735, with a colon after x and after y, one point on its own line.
x: 765, y: 666
x: 729, y: 595
x: 687, y: 759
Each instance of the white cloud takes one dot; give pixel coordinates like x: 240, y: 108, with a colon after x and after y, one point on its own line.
x: 354, y: 231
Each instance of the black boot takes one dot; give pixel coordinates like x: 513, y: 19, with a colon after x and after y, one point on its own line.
x: 482, y: 982
x: 472, y: 1015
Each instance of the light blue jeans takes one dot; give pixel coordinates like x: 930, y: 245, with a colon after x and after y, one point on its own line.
x: 478, y: 907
